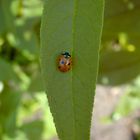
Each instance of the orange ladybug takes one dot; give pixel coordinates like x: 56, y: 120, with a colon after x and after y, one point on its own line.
x: 64, y: 62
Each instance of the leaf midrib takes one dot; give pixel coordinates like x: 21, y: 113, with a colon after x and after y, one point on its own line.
x: 73, y: 40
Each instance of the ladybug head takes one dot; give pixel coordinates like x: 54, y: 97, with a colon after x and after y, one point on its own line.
x: 66, y: 54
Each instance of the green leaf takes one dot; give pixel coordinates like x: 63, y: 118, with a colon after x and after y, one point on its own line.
x: 33, y: 130
x: 123, y: 63
x: 118, y: 7
x: 73, y: 26
x: 123, y: 15
x: 7, y: 19
x: 112, y: 69
x: 128, y: 103
x: 9, y: 100
x: 6, y: 71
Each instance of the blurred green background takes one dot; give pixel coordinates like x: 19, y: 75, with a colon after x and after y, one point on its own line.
x: 24, y: 111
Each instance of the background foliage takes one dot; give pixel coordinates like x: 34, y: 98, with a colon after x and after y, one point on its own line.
x: 24, y: 112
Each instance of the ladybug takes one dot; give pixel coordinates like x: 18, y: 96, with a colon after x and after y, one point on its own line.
x: 64, y: 62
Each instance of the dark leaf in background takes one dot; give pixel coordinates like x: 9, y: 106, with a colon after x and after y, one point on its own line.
x: 119, y: 67
x: 6, y: 71
x: 9, y: 102
x: 6, y: 17
x: 33, y: 130
x: 121, y: 26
